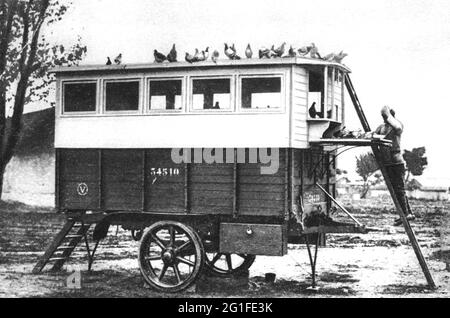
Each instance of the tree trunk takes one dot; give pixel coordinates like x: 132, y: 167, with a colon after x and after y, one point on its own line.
x: 2, y: 177
x: 364, y: 191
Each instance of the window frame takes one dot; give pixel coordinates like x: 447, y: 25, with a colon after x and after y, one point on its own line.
x: 147, y: 103
x: 190, y: 94
x: 105, y: 81
x: 79, y: 81
x: 283, y: 93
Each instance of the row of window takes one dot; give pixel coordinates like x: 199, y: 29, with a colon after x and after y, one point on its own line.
x: 166, y: 95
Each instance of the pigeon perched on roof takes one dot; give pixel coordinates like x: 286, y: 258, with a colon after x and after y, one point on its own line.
x: 303, y: 51
x: 264, y: 53
x: 338, y: 58
x: 108, y: 62
x: 291, y: 52
x: 314, y: 52
x: 329, y: 57
x: 118, y: 59
x: 206, y: 53
x: 280, y: 50
x: 230, y: 52
x: 272, y: 52
x: 215, y: 56
x: 196, y: 55
x: 249, y: 52
x: 159, y: 57
x: 190, y: 58
x: 172, y: 56
x: 202, y: 56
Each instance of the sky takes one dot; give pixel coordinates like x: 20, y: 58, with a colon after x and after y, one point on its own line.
x: 399, y: 51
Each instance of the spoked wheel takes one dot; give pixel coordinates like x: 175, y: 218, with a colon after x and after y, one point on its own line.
x: 171, y: 256
x: 222, y: 264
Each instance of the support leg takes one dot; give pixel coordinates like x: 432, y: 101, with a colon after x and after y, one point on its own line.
x: 91, y: 257
x: 313, y: 260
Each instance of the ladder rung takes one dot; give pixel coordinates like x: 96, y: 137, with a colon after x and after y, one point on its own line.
x: 62, y: 248
x: 74, y: 236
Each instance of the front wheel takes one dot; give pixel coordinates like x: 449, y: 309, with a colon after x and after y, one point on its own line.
x: 171, y: 256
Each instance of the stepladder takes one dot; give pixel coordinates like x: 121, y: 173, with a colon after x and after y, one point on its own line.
x: 64, y: 244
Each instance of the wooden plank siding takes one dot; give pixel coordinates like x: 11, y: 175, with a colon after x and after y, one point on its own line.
x: 78, y: 167
x: 300, y: 88
x: 129, y: 183
x: 129, y: 180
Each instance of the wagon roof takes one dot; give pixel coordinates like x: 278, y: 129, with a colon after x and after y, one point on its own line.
x: 201, y: 65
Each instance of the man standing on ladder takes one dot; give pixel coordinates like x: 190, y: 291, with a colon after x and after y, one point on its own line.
x: 392, y: 159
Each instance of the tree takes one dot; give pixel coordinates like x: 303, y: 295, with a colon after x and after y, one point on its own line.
x: 413, y: 185
x: 415, y: 162
x: 366, y: 166
x: 25, y: 59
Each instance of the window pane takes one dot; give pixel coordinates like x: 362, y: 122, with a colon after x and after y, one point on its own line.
x: 211, y: 94
x: 261, y: 93
x: 165, y: 95
x: 122, y: 96
x: 80, y: 97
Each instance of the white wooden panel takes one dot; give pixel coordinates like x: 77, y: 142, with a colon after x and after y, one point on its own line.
x: 219, y: 130
x: 300, y: 105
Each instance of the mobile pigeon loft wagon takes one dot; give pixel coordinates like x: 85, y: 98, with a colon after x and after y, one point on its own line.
x: 207, y: 164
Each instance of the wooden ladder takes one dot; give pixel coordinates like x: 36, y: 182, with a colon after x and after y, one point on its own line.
x: 377, y: 152
x: 65, y: 242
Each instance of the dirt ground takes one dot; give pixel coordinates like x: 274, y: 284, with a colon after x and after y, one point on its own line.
x: 379, y: 264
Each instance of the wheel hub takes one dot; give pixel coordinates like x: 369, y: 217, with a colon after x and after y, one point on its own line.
x: 168, y: 256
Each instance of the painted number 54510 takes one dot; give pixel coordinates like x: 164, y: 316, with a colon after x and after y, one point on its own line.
x: 164, y: 172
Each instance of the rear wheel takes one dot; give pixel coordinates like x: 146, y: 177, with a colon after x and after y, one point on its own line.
x: 223, y: 264
x: 171, y: 256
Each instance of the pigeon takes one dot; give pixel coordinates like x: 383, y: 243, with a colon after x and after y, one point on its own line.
x: 230, y: 52
x: 206, y: 53
x: 264, y: 53
x: 215, y: 56
x: 314, y: 52
x: 272, y: 52
x: 313, y: 111
x: 291, y: 52
x: 280, y: 51
x: 249, y: 52
x: 236, y: 57
x: 172, y: 56
x: 303, y: 51
x: 338, y: 58
x: 190, y: 58
x: 159, y: 57
x: 109, y: 61
x: 329, y: 57
x: 201, y: 56
x: 118, y: 59
x: 196, y: 55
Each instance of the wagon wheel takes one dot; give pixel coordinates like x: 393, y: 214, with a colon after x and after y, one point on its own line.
x: 171, y: 256
x: 222, y: 264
